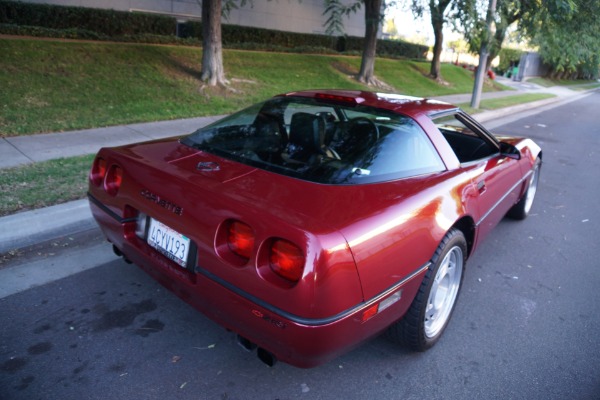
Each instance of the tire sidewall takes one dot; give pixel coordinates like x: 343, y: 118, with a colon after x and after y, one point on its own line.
x: 454, y: 238
x: 518, y: 211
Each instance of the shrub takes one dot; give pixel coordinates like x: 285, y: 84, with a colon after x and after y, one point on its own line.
x: 19, y: 18
x: 106, y: 22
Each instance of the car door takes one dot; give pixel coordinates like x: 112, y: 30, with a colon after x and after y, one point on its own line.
x: 492, y: 174
x: 496, y: 192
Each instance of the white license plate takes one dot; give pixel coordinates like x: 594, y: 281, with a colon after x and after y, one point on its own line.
x: 169, y: 242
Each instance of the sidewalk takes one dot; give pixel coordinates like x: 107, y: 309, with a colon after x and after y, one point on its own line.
x: 19, y: 150
x: 31, y: 227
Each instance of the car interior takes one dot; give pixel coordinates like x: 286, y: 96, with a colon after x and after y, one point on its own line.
x: 467, y: 145
x: 328, y: 144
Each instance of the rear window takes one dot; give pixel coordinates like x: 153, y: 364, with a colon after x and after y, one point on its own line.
x: 322, y: 142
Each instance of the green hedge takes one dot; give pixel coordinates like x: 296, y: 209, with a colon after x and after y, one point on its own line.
x: 390, y: 48
x: 106, y: 22
x: 235, y: 36
x: 37, y: 31
x: 20, y: 18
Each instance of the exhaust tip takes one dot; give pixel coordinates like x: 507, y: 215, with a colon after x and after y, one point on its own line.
x: 117, y: 252
x: 266, y: 357
x: 245, y: 343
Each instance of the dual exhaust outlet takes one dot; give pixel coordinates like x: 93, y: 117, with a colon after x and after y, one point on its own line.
x: 263, y: 355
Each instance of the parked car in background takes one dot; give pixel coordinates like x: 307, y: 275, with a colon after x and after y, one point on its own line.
x: 315, y: 220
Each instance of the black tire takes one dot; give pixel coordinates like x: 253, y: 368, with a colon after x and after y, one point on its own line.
x: 417, y: 329
x: 523, y: 207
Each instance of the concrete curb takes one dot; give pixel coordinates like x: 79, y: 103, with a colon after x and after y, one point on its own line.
x: 30, y: 227
x: 485, y: 116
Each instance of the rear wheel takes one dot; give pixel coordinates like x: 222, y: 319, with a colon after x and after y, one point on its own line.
x: 430, y: 311
x: 523, y: 207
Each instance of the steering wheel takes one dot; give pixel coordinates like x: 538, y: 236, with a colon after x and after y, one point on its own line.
x: 369, y: 133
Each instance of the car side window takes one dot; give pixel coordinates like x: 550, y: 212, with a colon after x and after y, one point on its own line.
x: 467, y: 145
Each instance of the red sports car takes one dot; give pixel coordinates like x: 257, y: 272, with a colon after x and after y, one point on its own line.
x: 317, y: 219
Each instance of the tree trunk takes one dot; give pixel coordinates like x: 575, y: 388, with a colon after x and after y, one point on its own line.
x: 212, y: 72
x: 496, y: 47
x: 372, y: 18
x: 480, y: 72
x: 437, y: 22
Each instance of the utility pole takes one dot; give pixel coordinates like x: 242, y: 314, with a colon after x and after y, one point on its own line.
x: 483, y: 56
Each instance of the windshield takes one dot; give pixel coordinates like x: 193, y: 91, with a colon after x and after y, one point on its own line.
x: 321, y: 142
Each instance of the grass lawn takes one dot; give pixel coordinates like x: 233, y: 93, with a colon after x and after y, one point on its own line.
x: 43, y: 184
x: 545, y: 82
x: 586, y: 87
x: 494, y: 104
x: 50, y: 86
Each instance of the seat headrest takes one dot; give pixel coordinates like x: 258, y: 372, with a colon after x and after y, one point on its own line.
x: 307, y: 131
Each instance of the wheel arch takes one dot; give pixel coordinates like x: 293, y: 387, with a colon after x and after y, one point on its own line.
x: 466, y: 225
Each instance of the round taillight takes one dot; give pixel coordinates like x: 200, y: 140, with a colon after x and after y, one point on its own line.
x: 113, y: 180
x: 240, y: 239
x: 287, y: 260
x: 98, y: 171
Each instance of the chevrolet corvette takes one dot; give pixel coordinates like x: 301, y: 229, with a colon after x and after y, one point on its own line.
x: 316, y: 220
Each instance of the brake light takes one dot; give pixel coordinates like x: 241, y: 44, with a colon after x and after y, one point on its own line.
x: 98, y: 171
x: 113, y: 180
x: 286, y: 260
x: 336, y: 98
x: 240, y: 239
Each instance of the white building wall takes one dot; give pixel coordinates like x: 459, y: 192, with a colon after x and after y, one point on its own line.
x: 303, y: 16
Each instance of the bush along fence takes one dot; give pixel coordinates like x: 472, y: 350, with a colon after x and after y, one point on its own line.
x: 18, y: 18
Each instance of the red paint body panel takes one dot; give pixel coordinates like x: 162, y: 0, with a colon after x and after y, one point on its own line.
x: 362, y: 243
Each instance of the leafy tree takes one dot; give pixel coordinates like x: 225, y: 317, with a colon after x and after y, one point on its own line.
x: 438, y: 9
x: 469, y: 19
x: 567, y: 32
x: 373, y: 18
x: 568, y: 40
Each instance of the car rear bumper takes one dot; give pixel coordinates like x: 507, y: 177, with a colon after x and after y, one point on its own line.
x: 302, y: 342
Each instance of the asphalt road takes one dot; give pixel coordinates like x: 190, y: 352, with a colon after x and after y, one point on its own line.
x: 526, y: 326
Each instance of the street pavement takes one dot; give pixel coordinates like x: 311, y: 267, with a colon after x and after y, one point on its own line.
x: 31, y: 227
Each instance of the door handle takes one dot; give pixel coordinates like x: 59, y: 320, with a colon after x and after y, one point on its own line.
x: 481, y: 187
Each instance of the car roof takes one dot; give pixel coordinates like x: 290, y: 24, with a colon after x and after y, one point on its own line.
x: 408, y: 105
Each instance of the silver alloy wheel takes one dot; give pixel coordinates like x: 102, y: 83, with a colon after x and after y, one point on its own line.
x: 443, y: 292
x: 532, y: 189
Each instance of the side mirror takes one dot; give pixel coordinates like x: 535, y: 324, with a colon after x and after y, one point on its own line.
x: 510, y: 151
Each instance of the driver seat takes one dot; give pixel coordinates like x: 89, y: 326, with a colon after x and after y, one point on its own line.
x: 306, y: 140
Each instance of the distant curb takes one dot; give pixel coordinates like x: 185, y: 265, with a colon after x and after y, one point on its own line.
x: 524, y: 110
x: 31, y: 227
x: 485, y: 116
